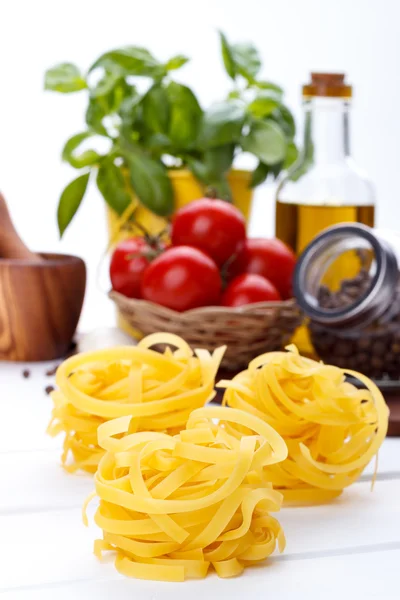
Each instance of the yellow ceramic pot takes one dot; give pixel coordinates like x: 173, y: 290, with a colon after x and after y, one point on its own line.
x: 186, y: 189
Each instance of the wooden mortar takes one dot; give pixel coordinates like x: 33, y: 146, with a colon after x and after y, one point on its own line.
x: 40, y: 305
x: 41, y: 297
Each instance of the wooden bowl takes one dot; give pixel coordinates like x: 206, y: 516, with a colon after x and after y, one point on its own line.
x: 40, y: 305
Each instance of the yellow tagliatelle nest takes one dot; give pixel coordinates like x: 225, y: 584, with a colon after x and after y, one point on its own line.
x: 158, y: 391
x: 171, y: 506
x: 332, y: 429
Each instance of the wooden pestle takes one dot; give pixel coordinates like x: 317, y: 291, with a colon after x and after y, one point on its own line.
x: 11, y: 245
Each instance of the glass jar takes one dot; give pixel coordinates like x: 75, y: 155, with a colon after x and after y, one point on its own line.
x: 356, y: 326
x: 324, y: 187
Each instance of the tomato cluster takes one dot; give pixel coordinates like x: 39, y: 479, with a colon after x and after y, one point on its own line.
x: 208, y: 248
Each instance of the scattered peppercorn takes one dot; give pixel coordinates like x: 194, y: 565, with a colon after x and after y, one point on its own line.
x: 52, y: 371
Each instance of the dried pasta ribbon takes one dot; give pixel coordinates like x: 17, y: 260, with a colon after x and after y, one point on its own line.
x: 332, y: 429
x: 171, y: 506
x: 156, y: 391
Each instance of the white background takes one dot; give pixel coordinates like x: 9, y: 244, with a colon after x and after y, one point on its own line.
x: 361, y: 37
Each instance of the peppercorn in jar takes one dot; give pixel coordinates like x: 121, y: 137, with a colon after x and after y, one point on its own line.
x: 357, y: 324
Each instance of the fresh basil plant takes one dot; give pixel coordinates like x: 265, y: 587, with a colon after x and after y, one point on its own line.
x: 165, y: 127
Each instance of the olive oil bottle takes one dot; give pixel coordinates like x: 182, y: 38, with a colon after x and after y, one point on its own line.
x: 324, y: 187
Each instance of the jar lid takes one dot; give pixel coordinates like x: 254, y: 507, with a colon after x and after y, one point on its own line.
x: 328, y: 85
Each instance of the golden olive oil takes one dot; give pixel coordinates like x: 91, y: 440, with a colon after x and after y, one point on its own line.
x: 298, y: 224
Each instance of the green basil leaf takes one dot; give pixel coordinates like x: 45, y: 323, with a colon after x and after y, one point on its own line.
x: 276, y: 169
x: 186, y: 115
x: 107, y: 83
x: 219, y: 159
x: 101, y: 106
x: 292, y: 154
x: 94, y: 116
x: 176, y: 62
x: 268, y: 85
x: 150, y: 181
x: 263, y: 105
x: 259, y: 174
x: 242, y: 59
x: 218, y: 184
x: 133, y: 60
x: 210, y: 169
x: 198, y: 168
x: 234, y: 95
x: 266, y: 140
x: 156, y: 109
x: 70, y: 201
x: 227, y: 56
x: 64, y: 78
x: 112, y: 101
x: 112, y: 185
x: 212, y: 164
x: 134, y: 130
x: 222, y: 124
x: 129, y: 109
x: 158, y: 142
x: 86, y: 158
x: 246, y: 59
x: 285, y: 120
x: 120, y: 92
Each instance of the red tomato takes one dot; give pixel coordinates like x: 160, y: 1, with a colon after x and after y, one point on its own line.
x: 214, y: 226
x: 249, y: 289
x: 182, y: 278
x: 270, y: 258
x: 129, y: 260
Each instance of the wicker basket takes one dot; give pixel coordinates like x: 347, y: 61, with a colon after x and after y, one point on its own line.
x: 247, y: 331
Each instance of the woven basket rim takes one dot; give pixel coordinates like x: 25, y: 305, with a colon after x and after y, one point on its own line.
x: 226, y: 310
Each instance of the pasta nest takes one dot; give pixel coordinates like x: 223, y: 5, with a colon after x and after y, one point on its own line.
x: 158, y: 391
x: 171, y: 506
x: 332, y: 428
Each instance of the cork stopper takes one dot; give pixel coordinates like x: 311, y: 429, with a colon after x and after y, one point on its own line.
x: 328, y: 85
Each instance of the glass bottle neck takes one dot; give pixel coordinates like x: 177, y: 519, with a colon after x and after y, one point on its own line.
x: 326, y: 131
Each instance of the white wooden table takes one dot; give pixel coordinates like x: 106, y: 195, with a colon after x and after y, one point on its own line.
x: 349, y: 549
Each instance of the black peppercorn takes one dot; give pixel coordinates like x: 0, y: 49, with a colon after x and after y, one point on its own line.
x: 374, y: 350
